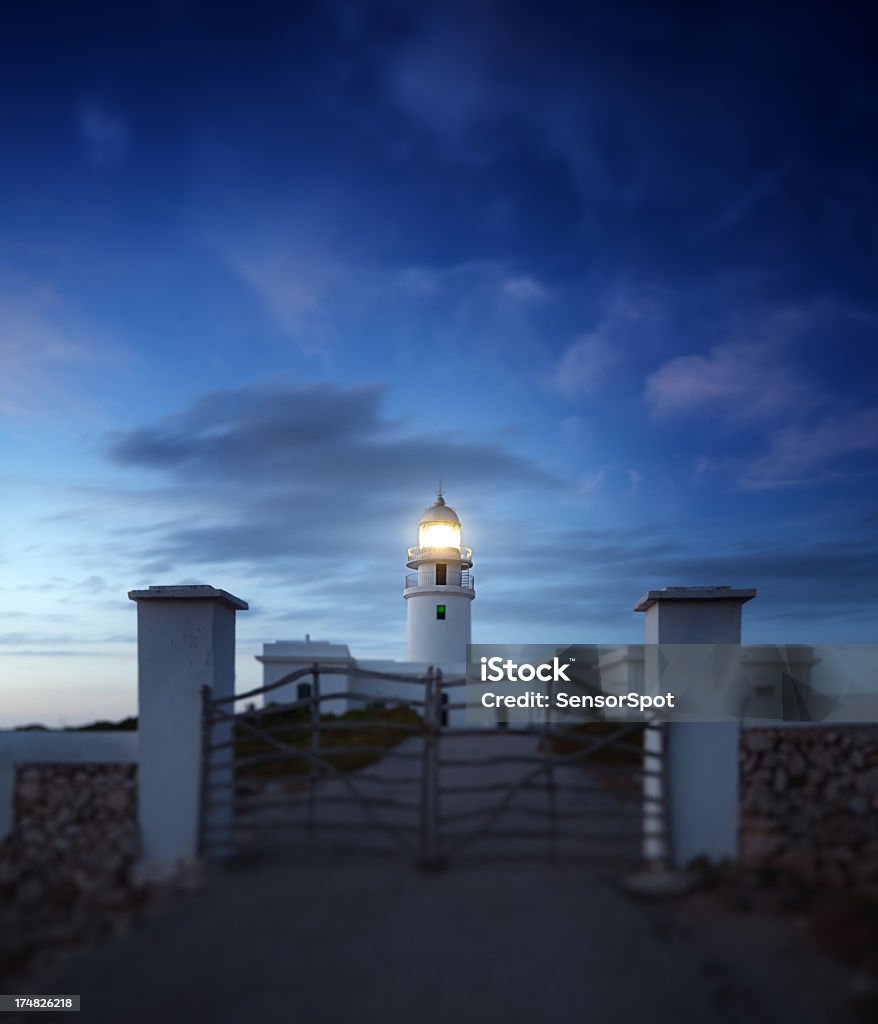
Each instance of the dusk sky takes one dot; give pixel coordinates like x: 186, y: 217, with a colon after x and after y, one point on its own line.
x: 607, y: 270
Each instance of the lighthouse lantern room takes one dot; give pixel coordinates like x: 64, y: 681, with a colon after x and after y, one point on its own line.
x: 439, y: 593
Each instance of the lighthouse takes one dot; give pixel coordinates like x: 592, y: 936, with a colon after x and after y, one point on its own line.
x: 438, y: 594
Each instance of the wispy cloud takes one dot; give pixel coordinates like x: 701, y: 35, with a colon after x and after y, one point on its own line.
x: 739, y: 380
x: 301, y: 291
x: 36, y: 354
x: 794, y: 429
x: 806, y: 454
x: 585, y: 362
x: 442, y: 79
x: 103, y: 133
x: 744, y: 204
x: 321, y: 301
x: 524, y: 288
x: 590, y: 484
x: 583, y: 366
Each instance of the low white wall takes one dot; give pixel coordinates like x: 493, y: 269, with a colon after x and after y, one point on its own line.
x: 17, y: 747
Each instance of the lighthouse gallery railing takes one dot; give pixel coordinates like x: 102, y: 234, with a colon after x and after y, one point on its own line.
x: 466, y: 581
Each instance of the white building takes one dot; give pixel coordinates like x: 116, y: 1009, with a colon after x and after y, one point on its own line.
x: 438, y: 598
x: 285, y: 656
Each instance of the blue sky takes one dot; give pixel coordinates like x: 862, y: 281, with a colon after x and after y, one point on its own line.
x: 265, y: 277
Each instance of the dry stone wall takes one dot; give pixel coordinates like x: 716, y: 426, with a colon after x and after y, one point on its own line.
x: 65, y: 870
x: 809, y: 803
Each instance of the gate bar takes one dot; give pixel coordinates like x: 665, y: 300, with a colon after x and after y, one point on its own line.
x: 430, y: 856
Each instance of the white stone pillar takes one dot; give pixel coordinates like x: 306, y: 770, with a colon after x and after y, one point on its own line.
x: 700, y: 759
x: 185, y: 640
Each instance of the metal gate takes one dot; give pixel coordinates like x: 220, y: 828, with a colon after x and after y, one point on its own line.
x: 393, y: 776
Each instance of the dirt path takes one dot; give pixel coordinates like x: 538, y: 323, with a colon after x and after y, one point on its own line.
x: 288, y: 936
x: 374, y: 941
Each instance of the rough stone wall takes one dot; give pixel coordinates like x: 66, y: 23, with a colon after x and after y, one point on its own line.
x: 809, y: 803
x: 65, y: 870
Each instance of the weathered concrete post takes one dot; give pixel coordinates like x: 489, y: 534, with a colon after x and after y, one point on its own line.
x: 700, y: 759
x: 185, y: 640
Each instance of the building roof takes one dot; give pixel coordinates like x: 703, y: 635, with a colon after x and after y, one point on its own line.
x: 311, y: 650
x: 186, y: 592
x: 651, y: 597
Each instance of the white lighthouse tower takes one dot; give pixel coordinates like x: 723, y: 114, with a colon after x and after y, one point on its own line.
x: 439, y: 593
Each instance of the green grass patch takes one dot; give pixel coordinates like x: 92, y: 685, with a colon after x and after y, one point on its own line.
x: 577, y: 738
x: 292, y: 727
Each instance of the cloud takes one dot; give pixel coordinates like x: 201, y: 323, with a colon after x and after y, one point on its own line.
x: 585, y: 363
x: 303, y: 473
x: 302, y: 292
x: 34, y: 643
x: 591, y: 483
x: 325, y: 303
x: 621, y: 563
x: 104, y: 134
x: 440, y: 81
x: 818, y: 580
x: 636, y: 133
x: 806, y: 588
x: 739, y: 380
x: 37, y: 355
x: 524, y: 288
x: 583, y: 366
x: 742, y: 207
x: 799, y: 429
x: 807, y: 454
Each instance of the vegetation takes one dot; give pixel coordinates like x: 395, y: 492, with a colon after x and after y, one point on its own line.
x: 125, y: 725
x: 343, y: 747
x: 578, y: 738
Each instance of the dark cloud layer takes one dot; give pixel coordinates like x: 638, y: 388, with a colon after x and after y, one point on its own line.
x: 307, y: 473
x: 311, y: 436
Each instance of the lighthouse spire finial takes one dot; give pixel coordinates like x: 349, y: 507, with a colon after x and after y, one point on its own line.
x: 440, y: 497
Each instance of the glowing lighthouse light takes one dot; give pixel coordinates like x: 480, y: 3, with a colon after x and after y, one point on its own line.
x: 439, y: 535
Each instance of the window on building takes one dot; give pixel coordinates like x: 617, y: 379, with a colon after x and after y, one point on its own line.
x: 303, y: 691
x: 441, y: 574
x: 440, y: 612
